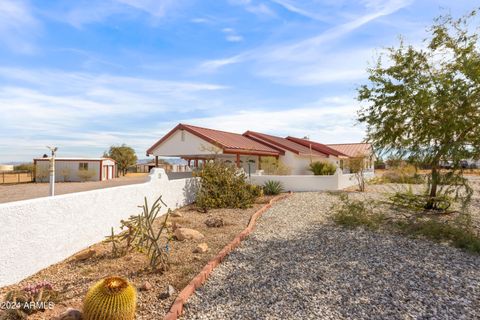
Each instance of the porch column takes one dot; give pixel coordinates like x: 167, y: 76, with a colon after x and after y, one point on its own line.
x: 238, y: 160
x: 196, y: 163
x: 156, y: 161
x: 259, y: 162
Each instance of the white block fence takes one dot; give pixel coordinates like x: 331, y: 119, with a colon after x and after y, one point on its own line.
x: 39, y: 232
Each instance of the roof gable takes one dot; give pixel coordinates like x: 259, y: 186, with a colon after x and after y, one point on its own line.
x: 283, y: 143
x: 319, y: 147
x: 229, y: 142
x: 353, y: 149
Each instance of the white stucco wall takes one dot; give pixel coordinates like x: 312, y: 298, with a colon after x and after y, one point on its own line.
x: 300, y: 164
x: 302, y: 183
x: 39, y: 232
x: 189, y: 145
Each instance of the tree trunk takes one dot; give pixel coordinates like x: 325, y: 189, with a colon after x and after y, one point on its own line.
x: 433, y: 188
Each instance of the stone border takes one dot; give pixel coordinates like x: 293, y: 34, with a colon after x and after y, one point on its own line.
x: 177, y: 307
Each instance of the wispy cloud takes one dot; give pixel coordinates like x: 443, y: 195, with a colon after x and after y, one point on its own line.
x: 337, y: 125
x: 292, y: 7
x: 41, y: 105
x: 154, y: 7
x: 260, y: 9
x: 231, y: 35
x: 310, y: 61
x: 18, y: 26
x: 94, y: 11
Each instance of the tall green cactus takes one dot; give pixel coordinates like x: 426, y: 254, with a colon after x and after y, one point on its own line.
x: 112, y: 298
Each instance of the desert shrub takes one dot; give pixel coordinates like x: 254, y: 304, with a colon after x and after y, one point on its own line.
x: 223, y: 186
x: 456, y: 232
x: 320, y: 168
x: 140, y: 235
x: 401, y: 174
x: 417, y: 202
x: 273, y: 166
x: 25, y: 167
x: 272, y: 187
x: 355, y: 213
x: 255, y: 190
x: 86, y: 175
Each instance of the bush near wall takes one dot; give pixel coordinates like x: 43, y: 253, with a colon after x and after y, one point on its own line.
x: 223, y: 186
x: 273, y: 166
x: 320, y: 168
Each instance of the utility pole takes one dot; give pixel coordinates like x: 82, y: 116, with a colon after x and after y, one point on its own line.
x: 52, y: 170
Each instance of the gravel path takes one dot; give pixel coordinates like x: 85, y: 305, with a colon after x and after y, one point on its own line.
x: 296, y: 266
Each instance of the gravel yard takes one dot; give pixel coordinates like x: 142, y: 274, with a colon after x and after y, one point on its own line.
x: 297, y: 265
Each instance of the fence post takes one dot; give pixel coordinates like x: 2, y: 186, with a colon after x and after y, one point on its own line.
x: 3, y: 177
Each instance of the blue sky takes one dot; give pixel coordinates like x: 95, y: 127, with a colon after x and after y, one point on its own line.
x: 83, y: 75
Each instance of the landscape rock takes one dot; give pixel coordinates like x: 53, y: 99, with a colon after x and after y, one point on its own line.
x: 70, y: 314
x: 176, y: 225
x: 201, y: 248
x: 188, y: 234
x: 84, y: 255
x: 176, y: 214
x: 170, y: 291
x: 213, y: 222
x: 146, y: 286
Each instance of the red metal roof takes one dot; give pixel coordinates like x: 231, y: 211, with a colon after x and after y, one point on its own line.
x: 229, y: 142
x: 317, y: 146
x: 283, y: 143
x: 353, y: 149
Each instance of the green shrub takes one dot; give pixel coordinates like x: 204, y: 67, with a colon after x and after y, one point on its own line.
x: 223, y: 186
x: 320, y: 168
x: 355, y: 213
x: 139, y: 234
x: 273, y: 166
x: 457, y: 232
x: 401, y: 174
x: 86, y: 175
x: 458, y: 235
x: 272, y: 187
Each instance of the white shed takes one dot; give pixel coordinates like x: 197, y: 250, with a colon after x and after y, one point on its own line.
x: 76, y: 169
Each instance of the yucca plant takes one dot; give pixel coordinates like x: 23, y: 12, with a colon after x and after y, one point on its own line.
x: 272, y: 187
x: 112, y: 298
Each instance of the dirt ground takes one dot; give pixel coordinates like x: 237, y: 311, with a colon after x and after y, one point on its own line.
x: 73, y: 278
x: 16, y: 192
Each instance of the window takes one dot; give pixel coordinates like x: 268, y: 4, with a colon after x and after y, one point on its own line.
x: 83, y: 166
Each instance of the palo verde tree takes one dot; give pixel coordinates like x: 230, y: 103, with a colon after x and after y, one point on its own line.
x: 424, y: 103
x: 124, y: 156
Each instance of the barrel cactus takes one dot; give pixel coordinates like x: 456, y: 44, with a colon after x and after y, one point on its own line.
x: 112, y: 298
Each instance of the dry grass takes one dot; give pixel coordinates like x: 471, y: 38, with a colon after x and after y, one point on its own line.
x: 74, y: 278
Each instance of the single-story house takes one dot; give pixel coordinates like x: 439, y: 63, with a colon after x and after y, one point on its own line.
x: 76, y: 169
x: 197, y: 145
x: 357, y: 150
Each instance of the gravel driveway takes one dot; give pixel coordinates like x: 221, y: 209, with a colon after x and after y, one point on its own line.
x: 297, y: 266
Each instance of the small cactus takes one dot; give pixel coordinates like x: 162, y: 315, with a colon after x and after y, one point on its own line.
x: 112, y: 298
